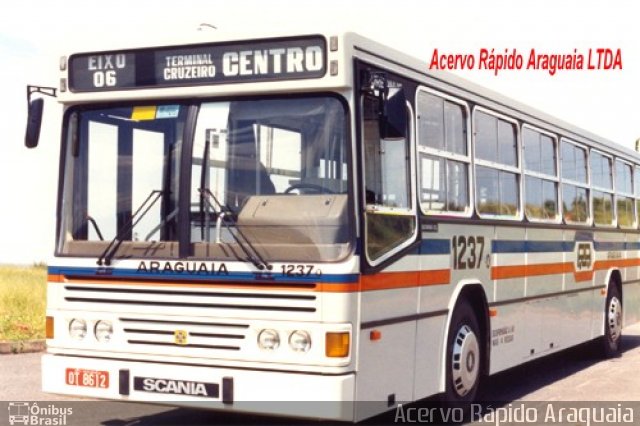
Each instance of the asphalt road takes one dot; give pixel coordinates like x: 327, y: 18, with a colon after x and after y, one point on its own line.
x: 578, y: 374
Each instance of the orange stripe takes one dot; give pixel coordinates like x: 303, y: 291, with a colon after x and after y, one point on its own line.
x: 520, y: 271
x: 56, y: 278
x: 391, y: 280
x: 603, y: 265
x: 436, y: 277
x: 338, y: 287
x: 622, y: 263
x: 387, y: 280
x: 319, y: 287
x: 379, y: 281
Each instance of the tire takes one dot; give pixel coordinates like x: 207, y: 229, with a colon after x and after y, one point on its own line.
x: 612, y: 323
x: 465, y: 357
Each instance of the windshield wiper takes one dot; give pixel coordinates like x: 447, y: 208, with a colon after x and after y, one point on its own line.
x: 225, y: 212
x: 107, y: 254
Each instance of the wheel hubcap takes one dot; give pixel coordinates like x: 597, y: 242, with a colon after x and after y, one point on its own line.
x: 614, y: 319
x: 465, y: 362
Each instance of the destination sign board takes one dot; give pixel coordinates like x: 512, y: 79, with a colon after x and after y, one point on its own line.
x: 247, y: 61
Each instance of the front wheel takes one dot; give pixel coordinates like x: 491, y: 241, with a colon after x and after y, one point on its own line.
x: 612, y: 323
x: 465, y: 356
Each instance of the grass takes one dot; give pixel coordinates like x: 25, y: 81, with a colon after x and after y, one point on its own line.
x: 22, y: 302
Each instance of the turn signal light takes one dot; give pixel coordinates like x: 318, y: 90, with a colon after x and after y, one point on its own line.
x: 337, y: 345
x: 49, y: 328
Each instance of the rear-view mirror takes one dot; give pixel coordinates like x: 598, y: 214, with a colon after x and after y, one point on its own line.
x: 393, y: 123
x: 34, y: 122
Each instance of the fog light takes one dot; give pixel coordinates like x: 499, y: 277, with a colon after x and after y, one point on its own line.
x: 268, y: 339
x: 300, y: 341
x: 103, y: 331
x: 78, y: 328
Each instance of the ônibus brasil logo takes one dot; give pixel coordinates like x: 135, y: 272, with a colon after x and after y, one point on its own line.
x: 27, y: 413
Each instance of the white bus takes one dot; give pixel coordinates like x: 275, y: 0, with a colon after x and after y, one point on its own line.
x: 319, y: 218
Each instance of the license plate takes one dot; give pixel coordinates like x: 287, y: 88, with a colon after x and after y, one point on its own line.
x: 87, y: 378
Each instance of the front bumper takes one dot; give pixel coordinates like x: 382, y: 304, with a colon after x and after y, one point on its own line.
x: 237, y: 390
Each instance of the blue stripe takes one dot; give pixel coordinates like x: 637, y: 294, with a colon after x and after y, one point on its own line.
x: 433, y: 246
x: 608, y: 246
x: 261, y: 277
x: 615, y: 246
x: 510, y: 246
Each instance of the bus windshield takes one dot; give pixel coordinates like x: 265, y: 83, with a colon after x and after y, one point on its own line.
x: 267, y: 178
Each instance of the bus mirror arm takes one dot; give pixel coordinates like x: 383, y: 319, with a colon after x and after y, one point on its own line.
x: 34, y: 114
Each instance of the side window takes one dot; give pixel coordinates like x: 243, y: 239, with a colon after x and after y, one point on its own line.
x: 601, y: 175
x: 390, y: 216
x: 602, y: 184
x: 497, y: 172
x: 575, y: 189
x: 541, y: 175
x: 624, y: 195
x: 443, y: 154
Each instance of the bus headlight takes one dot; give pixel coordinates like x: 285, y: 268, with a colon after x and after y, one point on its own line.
x: 268, y: 339
x: 78, y: 328
x: 103, y: 331
x: 300, y: 341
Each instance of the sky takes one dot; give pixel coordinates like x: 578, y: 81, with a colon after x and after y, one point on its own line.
x: 35, y: 33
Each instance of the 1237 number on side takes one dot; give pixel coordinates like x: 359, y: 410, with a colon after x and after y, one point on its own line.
x: 467, y: 251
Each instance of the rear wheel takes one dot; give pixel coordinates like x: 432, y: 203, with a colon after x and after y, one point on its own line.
x: 612, y: 322
x: 465, y: 356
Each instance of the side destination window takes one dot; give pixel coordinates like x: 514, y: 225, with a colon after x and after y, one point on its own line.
x: 541, y: 175
x: 624, y: 195
x: 497, y: 166
x: 443, y: 153
x: 575, y: 185
x: 602, y: 184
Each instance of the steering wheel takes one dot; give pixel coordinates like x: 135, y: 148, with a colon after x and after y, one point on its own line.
x: 312, y: 186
